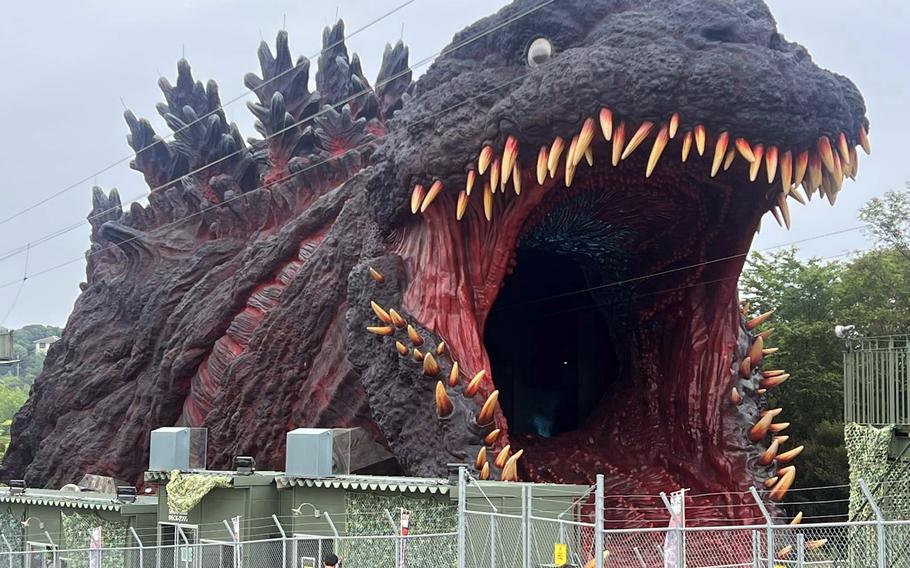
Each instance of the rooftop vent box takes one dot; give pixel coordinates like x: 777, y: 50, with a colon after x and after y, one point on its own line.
x: 318, y: 452
x: 177, y: 448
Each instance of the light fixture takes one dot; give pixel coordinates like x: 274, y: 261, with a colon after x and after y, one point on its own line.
x: 16, y: 486
x: 26, y: 522
x: 126, y: 494
x: 299, y: 510
x: 244, y: 464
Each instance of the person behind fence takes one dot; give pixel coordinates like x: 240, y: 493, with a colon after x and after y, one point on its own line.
x: 330, y: 561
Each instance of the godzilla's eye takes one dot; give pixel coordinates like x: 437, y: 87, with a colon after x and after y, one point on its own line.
x: 539, y: 51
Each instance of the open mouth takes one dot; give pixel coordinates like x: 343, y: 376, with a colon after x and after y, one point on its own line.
x: 589, y: 299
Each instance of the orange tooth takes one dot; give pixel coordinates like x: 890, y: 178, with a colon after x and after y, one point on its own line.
x: 430, y: 366
x: 686, y: 146
x: 637, y: 138
x: 854, y: 163
x: 381, y: 313
x: 606, y: 123
x: 745, y: 368
x: 462, y: 204
x: 784, y: 552
x: 770, y: 351
x: 774, y: 381
x: 542, y: 158
x: 816, y: 544
x: 758, y: 320
x: 797, y: 519
x: 619, y: 138
x: 659, y: 144
x: 431, y: 195
x: 481, y: 459
x: 414, y: 336
x: 589, y: 156
x: 483, y: 161
x: 755, y: 352
x: 555, y: 152
x: 772, y: 411
x: 767, y: 457
x: 509, y: 154
x: 742, y: 145
x: 760, y: 429
x: 502, y: 456
x: 796, y: 195
x: 487, y: 202
x: 784, y: 208
x: 802, y: 163
x: 441, y: 348
x: 719, y: 151
x: 838, y: 173
x: 510, y: 470
x: 396, y: 318
x: 516, y: 178
x: 758, y: 151
x: 772, y: 373
x: 494, y: 173
x: 674, y: 125
x: 843, y: 148
x: 815, y: 173
x: 584, y: 140
x: 453, y: 375
x: 786, y: 171
x: 490, y: 438
x: 736, y: 397
x: 700, y: 139
x: 485, y: 416
x: 771, y: 163
x: 825, y: 153
x: 485, y: 472
x: 570, y: 165
x: 729, y: 157
x: 779, y: 427
x: 469, y: 184
x: 770, y: 482
x: 418, y: 355
x: 761, y: 391
x: 444, y: 407
x: 474, y: 384
x: 776, y: 212
x: 403, y: 350
x: 381, y: 330
x: 376, y: 275
x: 417, y: 195
x: 864, y: 140
x: 784, y: 483
x: 766, y: 334
x: 788, y: 457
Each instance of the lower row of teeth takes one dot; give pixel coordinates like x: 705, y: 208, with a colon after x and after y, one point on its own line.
x: 822, y: 168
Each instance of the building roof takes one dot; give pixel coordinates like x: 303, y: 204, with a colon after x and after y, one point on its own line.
x: 75, y: 500
x: 369, y: 482
x: 50, y: 339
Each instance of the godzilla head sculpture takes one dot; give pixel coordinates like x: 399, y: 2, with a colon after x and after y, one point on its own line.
x: 526, y: 260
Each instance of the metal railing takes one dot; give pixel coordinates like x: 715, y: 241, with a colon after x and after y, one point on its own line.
x: 877, y: 380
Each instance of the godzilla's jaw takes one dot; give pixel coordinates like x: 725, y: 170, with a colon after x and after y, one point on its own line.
x: 600, y: 303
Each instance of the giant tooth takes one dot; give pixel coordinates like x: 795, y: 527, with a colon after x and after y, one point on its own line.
x: 770, y: 351
x: 570, y: 162
x: 743, y: 147
x: 510, y: 470
x: 686, y: 146
x: 745, y: 368
x: 487, y: 201
x: 784, y: 208
x: 802, y: 163
x: 659, y: 144
x: 770, y: 482
x: 720, y: 150
x: 771, y: 155
x: 619, y: 139
x: 736, y: 397
x: 775, y: 211
x: 760, y: 429
x: 481, y: 459
x: 430, y: 366
x: 485, y: 472
x: 444, y: 406
x: 796, y: 195
x: 396, y: 318
x: 767, y: 457
x: 864, y: 140
x: 755, y: 351
x: 773, y: 382
x: 784, y: 552
x: 381, y: 330
x: 483, y: 161
x: 414, y: 336
x: 431, y: 195
x: 766, y: 334
x: 791, y: 455
x: 403, y: 350
x: 502, y: 456
x: 797, y: 519
x: 674, y: 125
x: 516, y: 178
x: 786, y: 171
x: 376, y: 275
x: 787, y: 475
x: 779, y: 427
x: 843, y: 148
x: 491, y: 438
x: 825, y: 153
x: 759, y: 152
x: 700, y: 139
x: 494, y: 173
x: 643, y: 131
x: 453, y: 375
x: 606, y: 123
x: 380, y: 313
x: 815, y: 544
x: 469, y: 184
x: 417, y: 195
x: 509, y: 155
x: 758, y: 320
x: 838, y: 173
x: 772, y: 373
x: 772, y: 411
x: 462, y: 205
x: 729, y: 157
x: 815, y: 173
x: 485, y: 416
x: 418, y: 355
x: 854, y: 163
x: 584, y: 140
x: 474, y: 383
x: 556, y: 150
x: 542, y: 159
x: 589, y: 156
x: 441, y: 348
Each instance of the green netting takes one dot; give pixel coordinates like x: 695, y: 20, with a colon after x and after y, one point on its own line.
x: 186, y: 490
x: 77, y: 529
x: 11, y: 528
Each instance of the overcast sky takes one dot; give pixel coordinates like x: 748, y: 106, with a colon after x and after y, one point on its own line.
x: 68, y: 65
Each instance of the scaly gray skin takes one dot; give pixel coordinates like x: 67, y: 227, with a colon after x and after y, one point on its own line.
x: 266, y: 286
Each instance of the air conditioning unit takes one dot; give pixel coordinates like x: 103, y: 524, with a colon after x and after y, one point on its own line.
x: 177, y: 448
x: 6, y: 344
x: 318, y: 452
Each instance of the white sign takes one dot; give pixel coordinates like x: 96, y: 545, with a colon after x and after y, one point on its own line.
x: 178, y: 517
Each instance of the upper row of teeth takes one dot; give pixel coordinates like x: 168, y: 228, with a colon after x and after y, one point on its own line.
x: 821, y: 168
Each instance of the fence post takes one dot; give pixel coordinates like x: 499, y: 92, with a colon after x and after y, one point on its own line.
x: 800, y: 550
x: 677, y: 528
x: 599, y: 522
x: 755, y: 550
x: 462, y: 506
x: 493, y: 539
x: 769, y: 524
x: 879, y: 525
x: 234, y: 538
x: 525, y: 529
x: 284, y: 542
x: 396, y: 534
x: 9, y: 548
x: 138, y: 543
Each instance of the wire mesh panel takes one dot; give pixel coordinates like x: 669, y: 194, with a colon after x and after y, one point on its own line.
x: 730, y: 547
x: 897, y: 544
x: 576, y: 538
x: 386, y: 551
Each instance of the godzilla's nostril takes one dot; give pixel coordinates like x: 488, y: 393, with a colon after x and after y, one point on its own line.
x: 722, y: 32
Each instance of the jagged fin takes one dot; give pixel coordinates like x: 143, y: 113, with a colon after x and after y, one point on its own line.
x: 394, y: 78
